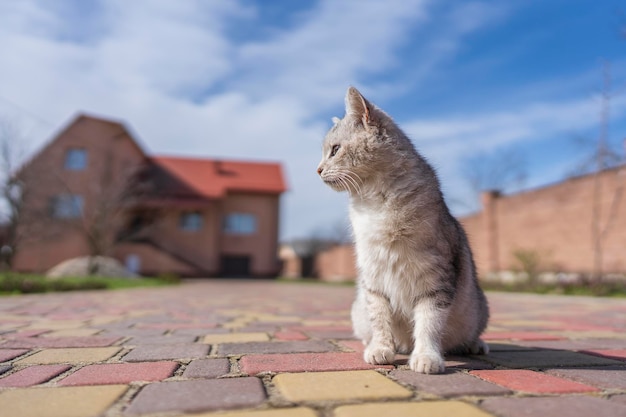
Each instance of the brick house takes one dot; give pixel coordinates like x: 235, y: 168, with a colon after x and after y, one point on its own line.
x: 93, y: 190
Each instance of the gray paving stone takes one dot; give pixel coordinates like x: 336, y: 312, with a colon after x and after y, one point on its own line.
x: 198, y: 395
x: 448, y: 385
x: 61, y: 342
x: 207, y: 368
x: 507, y: 347
x: 621, y: 398
x: 276, y: 347
x: 4, y: 368
x: 608, y: 377
x: 155, y: 352
x: 570, y: 406
x: 546, y: 359
x: 160, y: 340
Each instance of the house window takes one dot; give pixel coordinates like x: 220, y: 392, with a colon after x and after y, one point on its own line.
x: 240, y: 224
x: 75, y: 159
x: 191, y: 222
x: 67, y: 206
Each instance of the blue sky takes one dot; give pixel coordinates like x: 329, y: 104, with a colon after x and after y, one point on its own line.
x: 260, y: 79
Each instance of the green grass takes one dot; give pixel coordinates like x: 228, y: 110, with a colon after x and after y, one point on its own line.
x: 13, y: 283
x: 606, y: 289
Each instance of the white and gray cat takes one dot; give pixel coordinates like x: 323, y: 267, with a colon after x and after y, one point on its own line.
x: 417, y: 290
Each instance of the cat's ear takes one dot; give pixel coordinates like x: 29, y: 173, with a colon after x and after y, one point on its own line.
x: 336, y: 120
x: 357, y: 106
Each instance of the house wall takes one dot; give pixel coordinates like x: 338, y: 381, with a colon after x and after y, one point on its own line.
x: 556, y: 223
x: 262, y: 245
x: 336, y: 264
x: 47, y: 241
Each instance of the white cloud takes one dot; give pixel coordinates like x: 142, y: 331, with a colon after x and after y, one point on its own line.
x: 174, y: 73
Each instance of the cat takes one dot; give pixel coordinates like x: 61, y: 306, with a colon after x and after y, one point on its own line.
x: 417, y: 290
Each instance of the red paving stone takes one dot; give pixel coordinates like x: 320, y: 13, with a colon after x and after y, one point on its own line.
x: 120, y: 373
x: 8, y: 354
x: 33, y: 375
x: 531, y: 381
x: 305, y: 362
x: 619, y: 354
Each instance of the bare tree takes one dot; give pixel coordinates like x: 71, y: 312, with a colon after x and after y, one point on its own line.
x: 501, y: 170
x: 602, y: 158
x: 12, y: 189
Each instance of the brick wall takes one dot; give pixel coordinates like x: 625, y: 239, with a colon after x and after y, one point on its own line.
x: 555, y: 222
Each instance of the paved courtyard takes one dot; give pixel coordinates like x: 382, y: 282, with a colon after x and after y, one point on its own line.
x: 264, y: 349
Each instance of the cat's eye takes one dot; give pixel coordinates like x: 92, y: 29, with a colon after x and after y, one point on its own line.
x: 334, y: 150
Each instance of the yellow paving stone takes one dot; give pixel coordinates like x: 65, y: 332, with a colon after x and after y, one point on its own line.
x: 284, y: 412
x: 89, y: 401
x: 72, y: 333
x: 320, y: 386
x: 275, y: 318
x: 590, y: 334
x: 430, y: 409
x: 235, y: 338
x: 56, y: 324
x: 96, y: 321
x: 70, y: 355
x: 238, y: 322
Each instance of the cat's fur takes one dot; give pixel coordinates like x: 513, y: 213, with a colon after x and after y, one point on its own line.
x: 417, y: 290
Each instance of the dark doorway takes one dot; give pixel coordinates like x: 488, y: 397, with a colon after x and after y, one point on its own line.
x: 235, y: 266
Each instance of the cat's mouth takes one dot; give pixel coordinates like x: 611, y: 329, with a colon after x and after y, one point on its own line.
x: 335, y: 184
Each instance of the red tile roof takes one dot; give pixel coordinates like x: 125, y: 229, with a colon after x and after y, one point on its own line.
x: 214, y: 178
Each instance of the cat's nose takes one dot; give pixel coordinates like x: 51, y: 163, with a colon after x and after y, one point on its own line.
x: 320, y: 170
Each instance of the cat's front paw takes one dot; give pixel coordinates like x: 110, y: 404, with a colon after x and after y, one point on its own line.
x: 427, y: 363
x: 379, y: 355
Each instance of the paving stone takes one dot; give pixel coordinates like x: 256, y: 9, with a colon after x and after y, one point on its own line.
x: 57, y: 324
x: 4, y: 368
x: 166, y: 352
x: 288, y: 335
x: 305, y: 362
x: 507, y: 347
x: 213, y: 339
x: 207, y: 368
x: 60, y: 402
x: 347, y: 385
x: 466, y: 362
x: 448, y: 385
x: 570, y: 406
x: 198, y: 395
x: 409, y: 409
x: 73, y: 333
x: 519, y: 336
x: 160, y: 340
x: 282, y: 412
x: 33, y: 375
x: 120, y: 373
x: 531, y: 381
x: 546, y: 359
x: 621, y: 399
x: 579, y: 344
x: 70, y: 355
x: 60, y: 342
x: 195, y: 331
x: 276, y: 347
x: 8, y: 354
x: 608, y: 377
x: 618, y: 354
